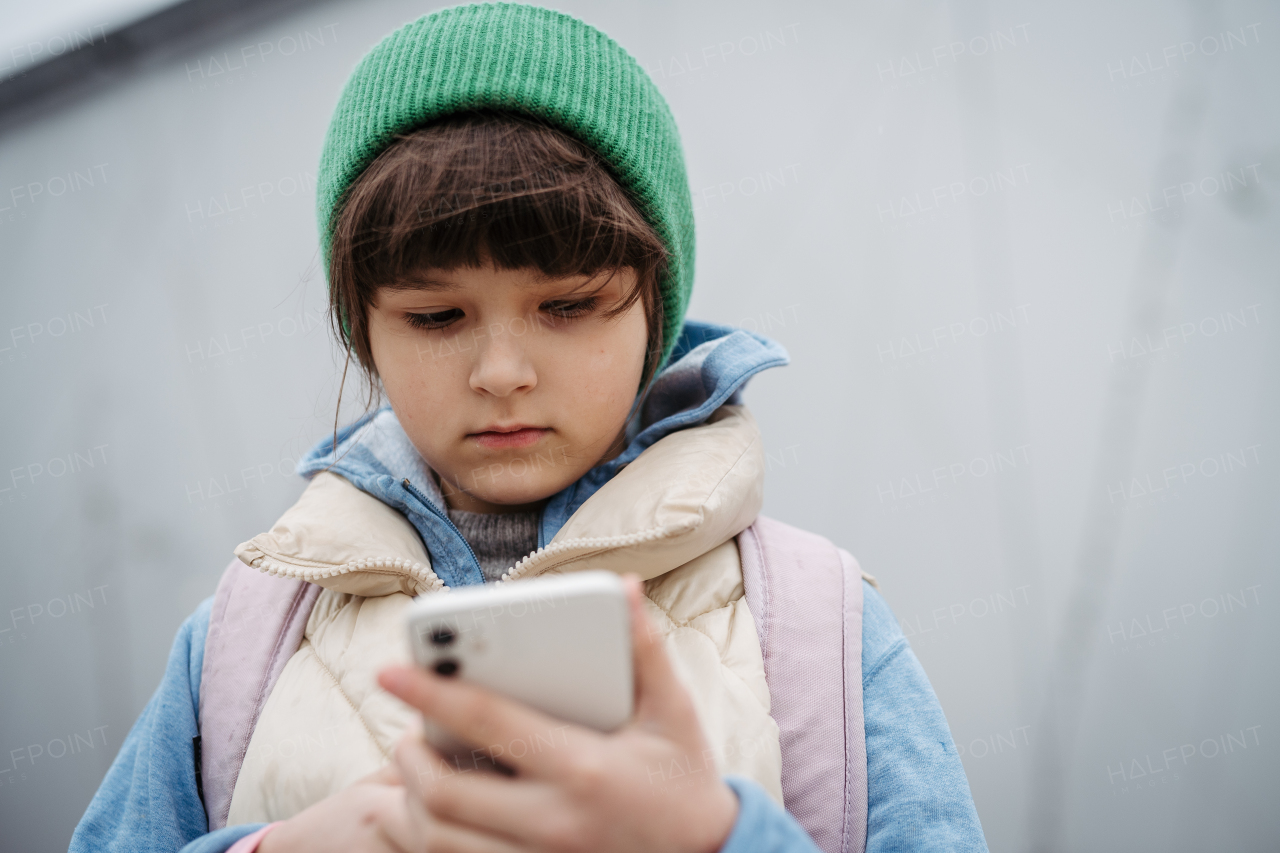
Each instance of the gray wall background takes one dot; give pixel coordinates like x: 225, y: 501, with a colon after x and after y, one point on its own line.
x: 1024, y: 257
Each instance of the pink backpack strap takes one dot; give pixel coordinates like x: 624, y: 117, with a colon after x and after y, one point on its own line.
x: 805, y: 596
x: 255, y: 626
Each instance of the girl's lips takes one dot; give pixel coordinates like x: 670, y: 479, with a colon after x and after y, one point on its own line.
x: 516, y: 438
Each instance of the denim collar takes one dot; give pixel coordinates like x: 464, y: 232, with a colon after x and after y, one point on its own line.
x: 708, y: 368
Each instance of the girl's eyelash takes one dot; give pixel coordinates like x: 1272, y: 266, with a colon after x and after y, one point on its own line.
x: 434, y: 319
x: 563, y: 309
x: 575, y: 308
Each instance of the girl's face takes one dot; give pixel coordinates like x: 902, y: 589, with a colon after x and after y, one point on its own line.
x: 511, y: 385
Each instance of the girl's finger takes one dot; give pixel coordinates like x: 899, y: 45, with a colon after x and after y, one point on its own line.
x: 451, y: 838
x: 396, y: 828
x: 411, y: 830
x: 422, y: 767
x: 387, y: 774
x: 499, y: 728
x: 662, y: 702
x: 478, y: 799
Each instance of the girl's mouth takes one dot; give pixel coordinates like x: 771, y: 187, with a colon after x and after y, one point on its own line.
x: 497, y: 439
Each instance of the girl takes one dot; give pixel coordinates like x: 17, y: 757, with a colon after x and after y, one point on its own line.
x: 508, y: 239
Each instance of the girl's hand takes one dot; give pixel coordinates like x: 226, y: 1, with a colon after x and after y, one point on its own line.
x: 650, y: 785
x: 369, y: 816
x: 372, y: 815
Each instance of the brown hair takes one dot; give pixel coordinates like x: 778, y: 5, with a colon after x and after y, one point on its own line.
x: 487, y: 186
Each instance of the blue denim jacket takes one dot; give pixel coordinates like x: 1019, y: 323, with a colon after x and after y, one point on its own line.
x: 918, y: 796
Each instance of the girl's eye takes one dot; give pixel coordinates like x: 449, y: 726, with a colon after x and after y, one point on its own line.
x: 575, y: 308
x: 434, y: 319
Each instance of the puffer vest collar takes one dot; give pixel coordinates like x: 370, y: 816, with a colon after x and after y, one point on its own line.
x: 690, y: 478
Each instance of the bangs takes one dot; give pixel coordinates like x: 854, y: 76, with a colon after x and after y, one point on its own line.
x: 481, y: 188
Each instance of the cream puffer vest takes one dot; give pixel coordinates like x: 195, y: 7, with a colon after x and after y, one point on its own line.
x: 670, y: 516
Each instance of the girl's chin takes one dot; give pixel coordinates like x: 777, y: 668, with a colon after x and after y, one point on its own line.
x: 502, y: 497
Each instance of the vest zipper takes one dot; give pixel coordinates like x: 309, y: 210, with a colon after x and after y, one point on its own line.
x: 443, y: 516
x: 595, y: 544
x: 269, y: 565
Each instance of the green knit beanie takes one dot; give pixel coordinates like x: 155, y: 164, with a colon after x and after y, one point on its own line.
x: 523, y: 59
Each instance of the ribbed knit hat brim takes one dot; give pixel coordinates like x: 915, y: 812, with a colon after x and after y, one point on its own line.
x: 528, y: 60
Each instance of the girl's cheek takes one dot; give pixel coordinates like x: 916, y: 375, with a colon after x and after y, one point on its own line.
x: 433, y: 362
x: 419, y: 388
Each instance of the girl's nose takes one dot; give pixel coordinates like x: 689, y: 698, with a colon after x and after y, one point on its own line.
x: 502, y: 367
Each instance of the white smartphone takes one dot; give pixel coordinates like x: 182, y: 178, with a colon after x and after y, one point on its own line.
x: 561, y: 645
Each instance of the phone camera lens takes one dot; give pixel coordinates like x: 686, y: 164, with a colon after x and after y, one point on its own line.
x: 448, y: 666
x: 442, y: 636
